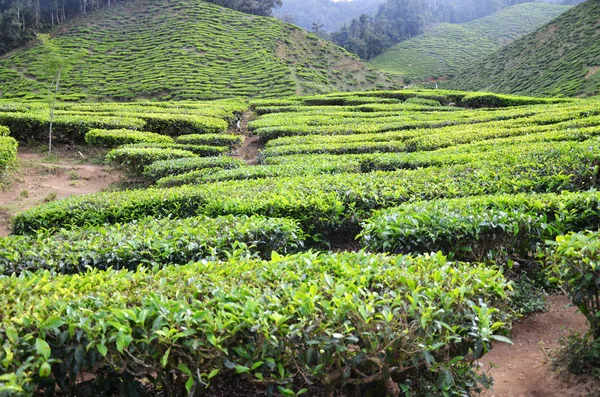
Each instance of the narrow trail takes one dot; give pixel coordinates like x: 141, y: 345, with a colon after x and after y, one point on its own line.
x: 523, y: 369
x: 36, y: 182
x: 251, y: 147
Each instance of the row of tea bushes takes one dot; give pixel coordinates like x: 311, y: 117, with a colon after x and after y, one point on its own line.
x: 415, y: 324
x: 114, y: 138
x: 29, y: 120
x: 148, y: 242
x: 322, y: 203
x: 134, y: 159
x: 229, y: 140
x: 171, y: 168
x: 481, y: 228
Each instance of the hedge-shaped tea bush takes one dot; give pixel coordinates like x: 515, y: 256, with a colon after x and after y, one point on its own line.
x: 481, y: 228
x: 114, y: 138
x: 229, y: 140
x: 293, y: 320
x: 322, y: 203
x: 4, y: 131
x: 148, y: 242
x: 199, y: 150
x: 135, y: 159
x: 574, y: 261
x: 8, y: 151
x: 165, y: 168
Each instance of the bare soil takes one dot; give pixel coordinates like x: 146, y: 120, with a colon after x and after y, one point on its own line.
x: 39, y: 179
x: 524, y: 369
x: 251, y: 147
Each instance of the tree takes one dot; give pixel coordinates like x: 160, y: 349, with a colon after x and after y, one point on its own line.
x: 56, y: 66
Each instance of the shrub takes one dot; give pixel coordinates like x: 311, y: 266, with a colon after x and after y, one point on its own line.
x: 398, y: 321
x: 199, y: 150
x: 180, y: 124
x: 229, y: 140
x: 165, y: 168
x: 330, y: 204
x: 114, y: 138
x: 135, y: 159
x: 480, y: 228
x: 66, y: 128
x: 487, y: 100
x: 574, y: 260
x: 4, y: 131
x: 8, y: 151
x: 149, y: 242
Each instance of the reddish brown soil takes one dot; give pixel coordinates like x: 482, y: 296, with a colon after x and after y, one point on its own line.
x: 524, y: 370
x: 252, y: 146
x: 36, y: 181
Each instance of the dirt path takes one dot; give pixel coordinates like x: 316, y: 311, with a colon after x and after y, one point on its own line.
x: 251, y: 147
x: 37, y: 181
x: 523, y: 369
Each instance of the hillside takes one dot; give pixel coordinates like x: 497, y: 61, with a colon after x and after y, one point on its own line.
x: 446, y: 48
x: 187, y: 50
x: 561, y: 58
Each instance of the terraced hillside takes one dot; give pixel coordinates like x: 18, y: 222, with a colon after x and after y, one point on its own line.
x: 187, y: 50
x: 446, y: 49
x: 561, y: 58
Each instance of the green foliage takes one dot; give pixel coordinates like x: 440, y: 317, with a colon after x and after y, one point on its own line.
x: 229, y: 140
x: 4, y: 131
x: 148, y: 242
x: 198, y: 150
x: 494, y: 228
x: 579, y: 354
x: 322, y: 203
x: 164, y: 168
x: 573, y: 260
x: 8, y: 151
x: 191, y: 50
x: 135, y: 159
x: 386, y: 319
x: 488, y: 100
x: 558, y: 59
x: 114, y: 138
x: 445, y: 49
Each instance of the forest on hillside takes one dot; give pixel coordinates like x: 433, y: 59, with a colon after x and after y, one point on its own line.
x: 398, y: 20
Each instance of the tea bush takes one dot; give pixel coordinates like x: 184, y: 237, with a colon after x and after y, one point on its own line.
x: 114, y: 138
x: 415, y: 324
x: 481, y: 228
x: 8, y: 151
x: 198, y: 150
x: 229, y: 140
x: 135, y: 159
x: 165, y: 168
x: 574, y: 261
x: 329, y: 204
x: 149, y: 242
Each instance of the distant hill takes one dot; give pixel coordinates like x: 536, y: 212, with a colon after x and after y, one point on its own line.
x: 561, y: 58
x: 187, y: 49
x: 331, y: 14
x: 446, y: 49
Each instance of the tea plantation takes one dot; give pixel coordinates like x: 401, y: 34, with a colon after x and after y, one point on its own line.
x: 446, y: 49
x: 560, y: 59
x: 371, y: 252
x: 186, y: 50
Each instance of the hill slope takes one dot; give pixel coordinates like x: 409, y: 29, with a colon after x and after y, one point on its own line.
x: 561, y: 58
x: 188, y: 49
x: 447, y: 48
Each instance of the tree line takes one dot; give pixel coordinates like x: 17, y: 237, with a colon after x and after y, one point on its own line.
x: 22, y: 20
